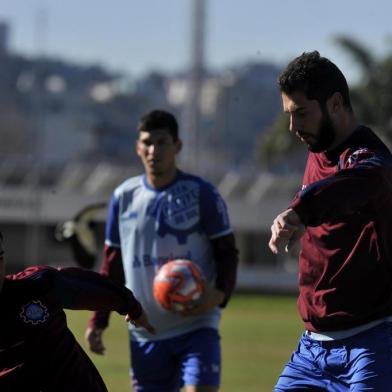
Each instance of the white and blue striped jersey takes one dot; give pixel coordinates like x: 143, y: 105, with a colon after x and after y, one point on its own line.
x: 154, y: 226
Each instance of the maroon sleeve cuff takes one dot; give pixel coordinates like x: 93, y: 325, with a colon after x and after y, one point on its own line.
x: 299, y: 209
x: 112, y: 268
x: 99, y: 320
x: 226, y: 259
x: 136, y: 310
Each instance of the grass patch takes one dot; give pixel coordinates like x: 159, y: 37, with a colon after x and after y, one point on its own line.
x: 258, y: 334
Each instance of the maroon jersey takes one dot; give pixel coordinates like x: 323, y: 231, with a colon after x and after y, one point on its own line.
x: 345, y: 266
x: 37, y: 350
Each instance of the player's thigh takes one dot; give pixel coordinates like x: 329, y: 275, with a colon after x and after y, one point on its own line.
x: 371, y: 356
x: 154, y: 368
x: 301, y: 372
x: 200, y: 359
x: 297, y: 380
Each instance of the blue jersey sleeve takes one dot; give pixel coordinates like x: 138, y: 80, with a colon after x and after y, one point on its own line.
x: 112, y: 235
x: 214, y: 215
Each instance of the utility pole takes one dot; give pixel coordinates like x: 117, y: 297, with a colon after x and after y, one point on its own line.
x: 192, y: 121
x: 33, y: 241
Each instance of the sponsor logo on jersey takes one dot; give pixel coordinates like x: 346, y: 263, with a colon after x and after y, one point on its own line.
x: 177, y: 212
x: 149, y: 260
x: 34, y: 313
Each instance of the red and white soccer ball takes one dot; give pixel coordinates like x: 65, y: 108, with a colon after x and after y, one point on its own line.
x: 177, y: 284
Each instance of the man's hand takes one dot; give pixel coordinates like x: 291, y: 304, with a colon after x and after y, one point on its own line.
x: 286, y: 230
x: 142, y: 321
x: 93, y: 337
x: 211, y: 298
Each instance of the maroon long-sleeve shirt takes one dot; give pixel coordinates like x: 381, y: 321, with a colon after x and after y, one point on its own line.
x: 37, y: 350
x: 345, y: 265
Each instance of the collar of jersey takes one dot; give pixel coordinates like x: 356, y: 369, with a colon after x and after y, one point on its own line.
x: 148, y: 186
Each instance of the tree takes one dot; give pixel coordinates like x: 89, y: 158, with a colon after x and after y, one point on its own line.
x: 278, y: 148
x: 372, y: 95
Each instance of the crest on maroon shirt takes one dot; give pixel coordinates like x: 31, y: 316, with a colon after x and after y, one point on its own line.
x: 353, y: 158
x: 34, y: 313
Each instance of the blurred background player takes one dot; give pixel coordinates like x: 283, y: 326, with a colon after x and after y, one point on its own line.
x: 37, y: 350
x: 343, y: 216
x: 162, y: 215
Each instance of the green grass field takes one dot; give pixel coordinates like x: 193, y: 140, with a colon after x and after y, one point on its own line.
x: 258, y: 334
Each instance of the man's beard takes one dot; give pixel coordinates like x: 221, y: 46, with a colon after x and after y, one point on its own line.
x: 326, y: 134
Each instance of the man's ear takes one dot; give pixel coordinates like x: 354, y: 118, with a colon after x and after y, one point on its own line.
x: 178, y: 145
x: 137, y: 147
x: 335, y: 103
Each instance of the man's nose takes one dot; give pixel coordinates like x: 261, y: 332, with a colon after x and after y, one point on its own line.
x: 293, y: 127
x: 152, y: 149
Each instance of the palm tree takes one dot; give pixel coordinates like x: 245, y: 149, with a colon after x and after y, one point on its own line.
x: 372, y: 96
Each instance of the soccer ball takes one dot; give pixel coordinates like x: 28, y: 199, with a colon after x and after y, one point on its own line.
x: 177, y: 284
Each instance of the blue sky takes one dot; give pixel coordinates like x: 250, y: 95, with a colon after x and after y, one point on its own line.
x: 137, y: 36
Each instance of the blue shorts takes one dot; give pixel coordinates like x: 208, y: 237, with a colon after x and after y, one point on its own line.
x: 362, y: 362
x: 166, y: 365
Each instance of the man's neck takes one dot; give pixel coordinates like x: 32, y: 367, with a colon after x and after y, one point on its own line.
x: 160, y: 181
x: 346, y: 127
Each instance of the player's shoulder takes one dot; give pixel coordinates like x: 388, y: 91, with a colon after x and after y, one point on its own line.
x: 33, y: 273
x: 365, y: 141
x: 369, y: 148
x: 197, y: 180
x: 129, y: 185
x: 364, y: 146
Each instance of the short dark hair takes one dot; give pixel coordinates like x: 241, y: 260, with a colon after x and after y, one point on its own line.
x: 159, y: 119
x: 317, y: 77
